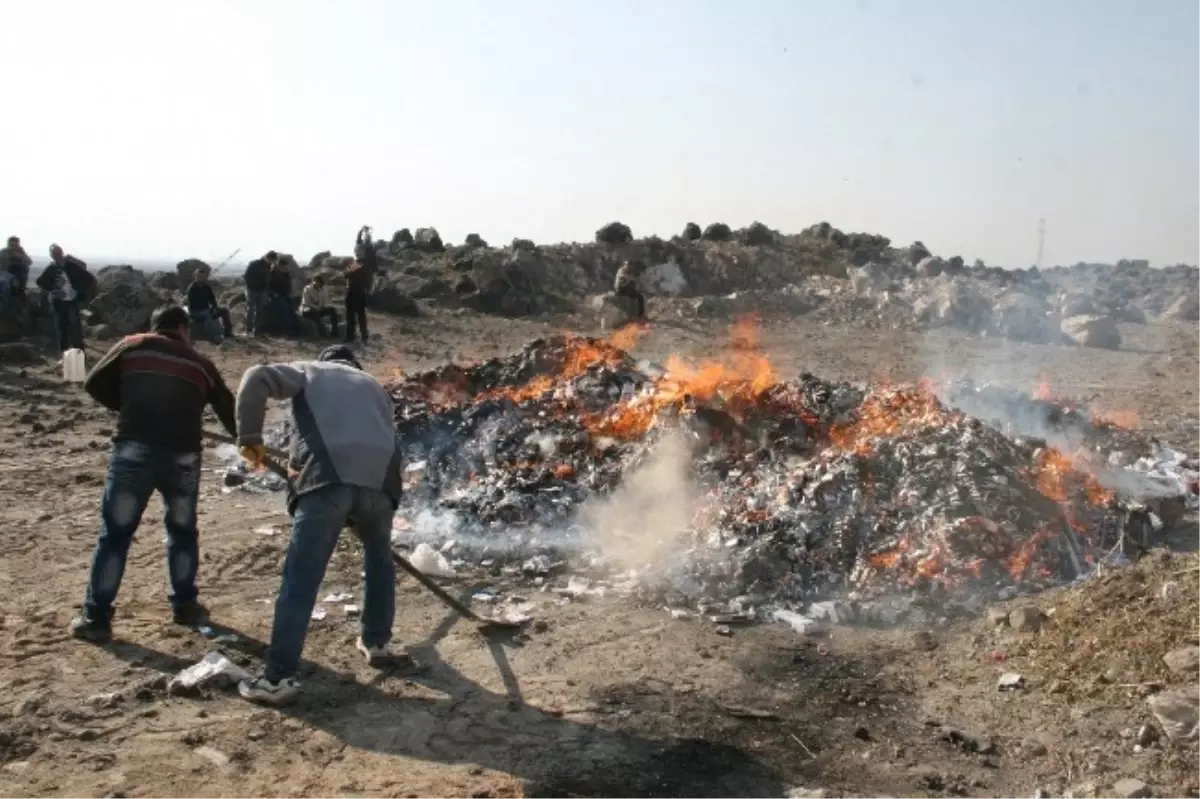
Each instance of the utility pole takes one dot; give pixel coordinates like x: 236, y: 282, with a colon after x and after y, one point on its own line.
x: 1041, y: 242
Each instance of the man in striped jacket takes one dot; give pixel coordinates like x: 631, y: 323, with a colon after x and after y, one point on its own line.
x: 159, y: 386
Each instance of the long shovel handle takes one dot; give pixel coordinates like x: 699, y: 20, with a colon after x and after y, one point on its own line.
x: 224, y: 439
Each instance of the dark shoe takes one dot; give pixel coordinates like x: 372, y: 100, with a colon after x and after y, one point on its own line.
x: 190, y: 614
x: 86, y: 628
x: 262, y: 691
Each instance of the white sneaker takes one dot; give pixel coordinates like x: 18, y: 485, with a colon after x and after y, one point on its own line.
x: 265, y: 692
x: 380, y: 655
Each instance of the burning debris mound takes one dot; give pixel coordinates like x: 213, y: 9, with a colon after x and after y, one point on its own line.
x: 718, y: 481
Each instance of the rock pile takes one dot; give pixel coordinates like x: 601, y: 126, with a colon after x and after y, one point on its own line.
x: 797, y: 490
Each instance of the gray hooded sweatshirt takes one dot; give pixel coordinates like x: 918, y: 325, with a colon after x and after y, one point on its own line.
x: 344, y: 430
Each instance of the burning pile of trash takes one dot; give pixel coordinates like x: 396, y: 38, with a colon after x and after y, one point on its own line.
x: 782, y: 492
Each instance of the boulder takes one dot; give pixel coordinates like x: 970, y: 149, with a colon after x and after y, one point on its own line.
x: 1077, y: 305
x: 465, y: 285
x: 474, y: 240
x: 692, y: 232
x: 428, y: 240
x: 1185, y: 308
x: 930, y: 266
x: 400, y: 239
x: 391, y: 300
x: 167, y: 281
x: 185, y: 269
x: 124, y: 300
x: 717, y: 231
x: 954, y: 302
x: 1093, y: 331
x: 1021, y: 317
x: 614, y: 233
x: 1184, y: 660
x: 917, y: 252
x: 1026, y: 619
x: 420, y: 287
x: 318, y: 260
x: 1178, y: 712
x: 758, y: 234
x: 19, y: 353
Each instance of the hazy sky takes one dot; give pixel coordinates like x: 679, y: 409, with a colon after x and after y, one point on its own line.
x: 172, y: 129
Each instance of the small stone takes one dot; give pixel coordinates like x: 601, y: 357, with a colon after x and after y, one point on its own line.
x: 1026, y: 619
x: 1183, y: 660
x: 107, y: 700
x: 1036, y: 749
x: 924, y: 641
x: 862, y: 733
x: 1178, y: 712
x: 806, y: 793
x: 233, y: 479
x: 214, y: 756
x: 1010, y: 681
x: 1146, y: 735
x: 723, y: 629
x: 1130, y: 788
x: 256, y: 734
x: 997, y: 617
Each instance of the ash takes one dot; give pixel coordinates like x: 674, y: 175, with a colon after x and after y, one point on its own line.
x: 719, y: 485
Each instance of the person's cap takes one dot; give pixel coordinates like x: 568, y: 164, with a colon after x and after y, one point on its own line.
x: 169, y: 317
x: 340, y: 353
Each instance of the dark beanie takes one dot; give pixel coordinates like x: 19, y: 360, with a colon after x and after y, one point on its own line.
x: 340, y: 353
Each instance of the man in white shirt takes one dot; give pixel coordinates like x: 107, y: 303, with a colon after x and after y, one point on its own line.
x: 315, y: 306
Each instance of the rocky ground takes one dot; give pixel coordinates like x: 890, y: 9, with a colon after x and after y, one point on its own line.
x: 601, y: 696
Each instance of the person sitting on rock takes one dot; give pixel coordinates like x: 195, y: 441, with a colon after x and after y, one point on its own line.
x: 627, y: 285
x: 16, y: 262
x: 258, y: 280
x: 348, y: 464
x: 159, y: 386
x: 281, y: 308
x: 314, y: 306
x: 202, y: 302
x: 68, y: 284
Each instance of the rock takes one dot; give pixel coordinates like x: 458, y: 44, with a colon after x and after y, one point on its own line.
x: 124, y: 300
x: 1123, y: 312
x: 968, y: 741
x: 185, y: 269
x: 1178, y: 712
x: 465, y: 285
x: 1146, y: 735
x: 1026, y: 619
x: 1093, y: 331
x: 917, y: 252
x: 712, y: 306
x: 525, y: 245
x: 214, y: 756
x: 954, y: 302
x: 867, y: 280
x: 166, y: 281
x: 1183, y: 660
x: 19, y: 353
x: 318, y: 260
x: 400, y: 239
x: 997, y: 617
x: 717, y: 231
x: 1185, y: 308
x: 390, y: 299
x: 799, y: 792
x: 1083, y: 790
x: 614, y: 233
x: 1077, y: 305
x: 474, y: 240
x: 1021, y: 317
x: 924, y: 641
x: 1010, y: 681
x: 106, y: 700
x: 692, y: 232
x: 758, y: 234
x: 930, y: 266
x: 428, y: 240
x: 1130, y: 788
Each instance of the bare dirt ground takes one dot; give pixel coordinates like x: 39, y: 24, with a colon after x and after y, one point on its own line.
x: 601, y: 698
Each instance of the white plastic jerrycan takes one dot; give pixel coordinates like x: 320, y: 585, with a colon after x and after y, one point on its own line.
x: 74, y: 366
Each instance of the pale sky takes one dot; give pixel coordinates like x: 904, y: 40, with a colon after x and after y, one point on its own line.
x: 166, y: 129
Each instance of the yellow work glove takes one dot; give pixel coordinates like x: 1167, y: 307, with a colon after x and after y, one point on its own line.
x: 254, y: 454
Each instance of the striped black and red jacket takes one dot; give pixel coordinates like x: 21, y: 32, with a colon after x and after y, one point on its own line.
x: 160, y: 386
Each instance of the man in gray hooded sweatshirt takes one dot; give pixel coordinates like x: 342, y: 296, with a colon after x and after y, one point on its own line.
x: 346, y: 466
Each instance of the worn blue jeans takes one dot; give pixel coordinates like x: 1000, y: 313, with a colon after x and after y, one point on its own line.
x: 319, y: 519
x: 135, y: 471
x: 256, y: 303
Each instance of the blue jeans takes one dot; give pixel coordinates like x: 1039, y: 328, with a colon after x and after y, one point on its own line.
x: 319, y: 519
x: 135, y: 471
x: 256, y: 301
x: 67, y: 325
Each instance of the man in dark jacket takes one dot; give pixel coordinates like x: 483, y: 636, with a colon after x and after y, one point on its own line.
x: 159, y: 387
x: 360, y: 275
x: 281, y: 304
x: 258, y: 280
x: 17, y: 263
x: 68, y: 284
x: 347, y: 464
x: 202, y: 302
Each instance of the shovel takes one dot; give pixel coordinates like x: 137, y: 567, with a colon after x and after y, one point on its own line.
x: 485, y: 624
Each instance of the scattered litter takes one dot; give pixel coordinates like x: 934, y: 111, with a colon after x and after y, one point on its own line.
x: 1010, y: 681
x: 214, y: 670
x: 429, y: 561
x: 269, y: 529
x: 339, y: 596
x: 319, y: 613
x: 351, y: 610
